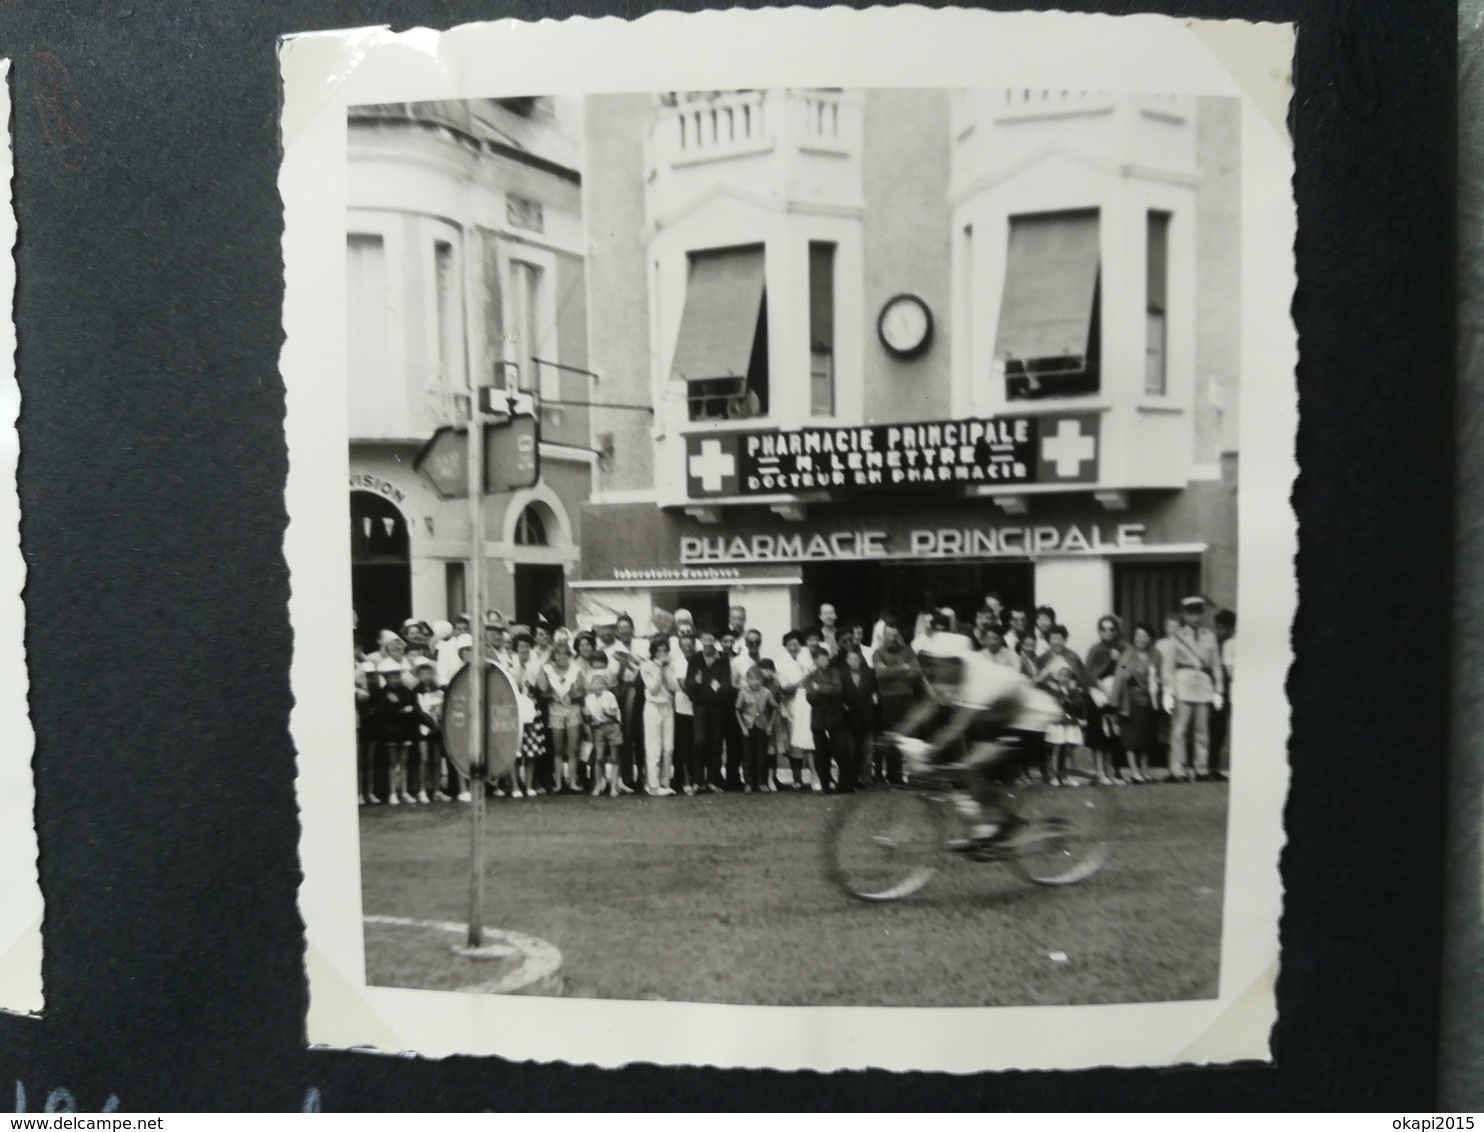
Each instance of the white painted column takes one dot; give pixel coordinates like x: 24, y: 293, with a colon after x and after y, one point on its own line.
x: 769, y: 610
x: 1081, y: 591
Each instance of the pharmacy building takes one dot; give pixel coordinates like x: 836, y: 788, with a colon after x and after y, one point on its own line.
x: 892, y: 348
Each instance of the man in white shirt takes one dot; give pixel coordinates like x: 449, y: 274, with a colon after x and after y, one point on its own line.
x: 751, y: 653
x: 448, y: 651
x: 737, y: 626
x: 829, y: 634
x: 637, y: 647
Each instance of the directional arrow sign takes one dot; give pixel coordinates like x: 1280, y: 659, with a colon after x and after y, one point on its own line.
x: 444, y: 462
x: 512, y: 455
x: 512, y: 458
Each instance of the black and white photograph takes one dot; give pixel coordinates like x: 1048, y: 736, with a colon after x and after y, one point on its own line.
x: 795, y: 538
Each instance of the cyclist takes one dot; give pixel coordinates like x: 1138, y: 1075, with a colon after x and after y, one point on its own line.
x: 990, y: 711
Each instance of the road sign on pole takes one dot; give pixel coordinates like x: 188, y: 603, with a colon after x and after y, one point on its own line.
x: 512, y: 457
x: 502, y: 722
x: 444, y: 462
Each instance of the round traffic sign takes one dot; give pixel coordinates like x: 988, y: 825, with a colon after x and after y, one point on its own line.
x: 502, y: 716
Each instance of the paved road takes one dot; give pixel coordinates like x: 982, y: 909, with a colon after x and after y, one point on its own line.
x: 722, y: 899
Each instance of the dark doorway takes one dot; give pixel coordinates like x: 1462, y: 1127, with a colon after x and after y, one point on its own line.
x: 538, y: 591
x: 380, y: 566
x: 1148, y: 592
x: 909, y: 588
x: 853, y: 588
x: 868, y: 589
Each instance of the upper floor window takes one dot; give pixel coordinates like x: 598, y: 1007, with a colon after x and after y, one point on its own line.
x: 446, y: 297
x: 1050, y: 315
x: 1156, y: 286
x: 526, y: 282
x: 366, y: 305
x: 530, y: 530
x: 722, y: 351
x: 822, y: 329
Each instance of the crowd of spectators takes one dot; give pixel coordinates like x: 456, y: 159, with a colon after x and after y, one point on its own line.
x: 686, y: 709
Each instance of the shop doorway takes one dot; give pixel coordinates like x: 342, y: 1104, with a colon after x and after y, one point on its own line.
x: 1145, y: 593
x: 380, y: 566
x: 539, y: 593
x: 867, y: 589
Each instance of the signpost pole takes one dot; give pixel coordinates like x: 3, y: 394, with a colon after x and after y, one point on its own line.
x: 478, y: 757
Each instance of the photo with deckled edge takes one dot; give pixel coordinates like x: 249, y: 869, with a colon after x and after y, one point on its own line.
x: 438, y: 100
x: 20, y: 891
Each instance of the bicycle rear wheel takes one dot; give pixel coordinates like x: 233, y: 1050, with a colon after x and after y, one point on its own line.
x: 1069, y: 830
x: 881, y: 844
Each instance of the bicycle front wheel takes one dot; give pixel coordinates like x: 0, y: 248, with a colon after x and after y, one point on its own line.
x: 1069, y: 830
x: 881, y: 844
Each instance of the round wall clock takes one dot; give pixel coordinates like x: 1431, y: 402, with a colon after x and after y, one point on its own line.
x: 905, y: 326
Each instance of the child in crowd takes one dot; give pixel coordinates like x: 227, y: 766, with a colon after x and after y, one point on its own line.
x: 629, y: 691
x: 605, y: 722
x: 756, y: 710
x: 429, y: 732
x: 397, y: 723
x: 1065, y: 736
x: 782, y: 730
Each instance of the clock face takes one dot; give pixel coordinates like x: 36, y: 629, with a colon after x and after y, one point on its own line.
x: 905, y: 325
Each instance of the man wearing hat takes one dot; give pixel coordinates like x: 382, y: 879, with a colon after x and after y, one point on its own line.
x: 1195, y: 686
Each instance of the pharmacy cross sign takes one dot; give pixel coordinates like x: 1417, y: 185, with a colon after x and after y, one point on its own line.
x: 963, y: 453
x: 711, y: 465
x: 1069, y: 449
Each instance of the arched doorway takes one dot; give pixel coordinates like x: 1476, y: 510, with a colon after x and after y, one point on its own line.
x: 538, y: 587
x: 380, y: 566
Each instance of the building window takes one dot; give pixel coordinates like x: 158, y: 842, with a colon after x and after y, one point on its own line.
x: 366, y: 313
x: 722, y: 351
x: 822, y: 330
x: 1156, y: 287
x: 446, y: 285
x: 1050, y: 315
x: 525, y: 292
x: 530, y: 528
x: 456, y: 588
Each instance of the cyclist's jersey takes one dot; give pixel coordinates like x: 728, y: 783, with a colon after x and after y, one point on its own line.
x: 1003, y: 695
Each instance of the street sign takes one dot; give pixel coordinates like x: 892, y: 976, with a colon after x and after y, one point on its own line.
x: 512, y: 458
x: 444, y: 462
x: 502, y: 711
x: 512, y: 455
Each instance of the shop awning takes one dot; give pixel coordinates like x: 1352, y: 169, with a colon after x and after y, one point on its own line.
x: 1051, y: 277
x: 723, y: 297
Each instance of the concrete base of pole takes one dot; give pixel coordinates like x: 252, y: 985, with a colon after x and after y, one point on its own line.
x: 521, y: 964
x: 507, y: 963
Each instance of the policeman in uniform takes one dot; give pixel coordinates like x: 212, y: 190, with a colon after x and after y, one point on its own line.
x: 1195, y: 686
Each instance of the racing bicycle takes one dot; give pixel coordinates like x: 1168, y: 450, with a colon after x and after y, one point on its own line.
x: 886, y: 843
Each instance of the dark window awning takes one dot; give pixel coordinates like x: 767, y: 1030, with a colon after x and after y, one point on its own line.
x: 1051, y: 277
x: 723, y: 298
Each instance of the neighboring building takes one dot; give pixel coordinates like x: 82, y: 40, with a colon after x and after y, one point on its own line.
x: 1048, y: 281
x: 464, y: 250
